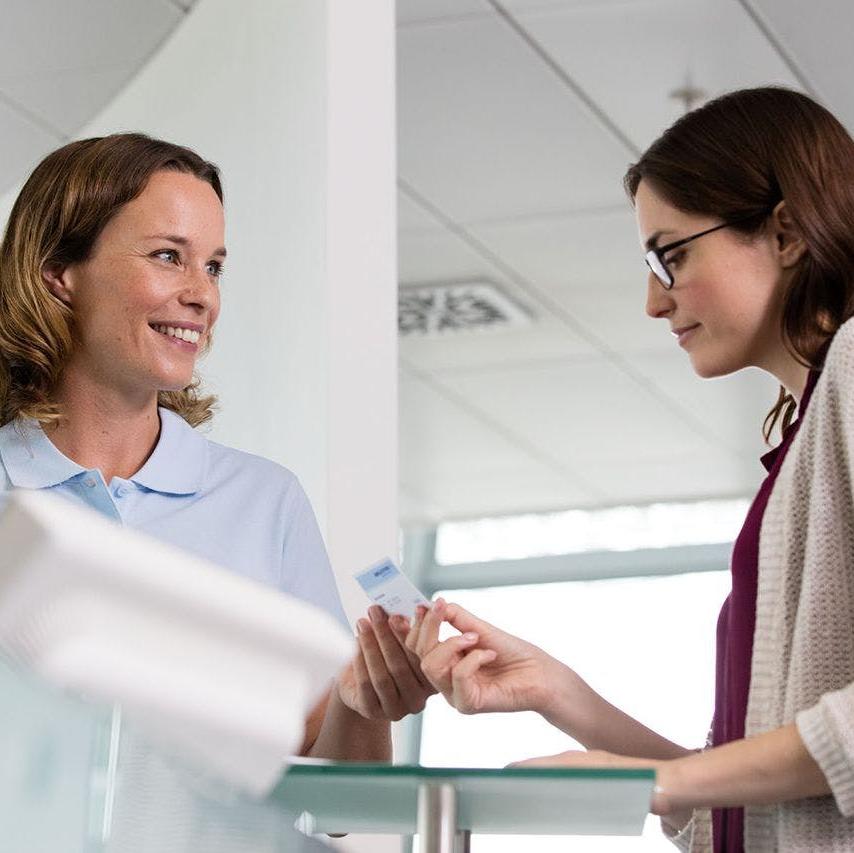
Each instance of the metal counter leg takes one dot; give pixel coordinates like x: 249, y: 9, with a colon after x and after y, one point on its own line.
x: 437, y: 818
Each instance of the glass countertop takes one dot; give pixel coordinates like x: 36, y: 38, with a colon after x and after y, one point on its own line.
x: 356, y: 797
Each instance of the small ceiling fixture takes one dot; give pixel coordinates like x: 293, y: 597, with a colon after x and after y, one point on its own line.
x: 451, y: 307
x: 688, y: 94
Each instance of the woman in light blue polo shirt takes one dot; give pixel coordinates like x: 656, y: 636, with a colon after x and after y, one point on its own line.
x: 109, y: 290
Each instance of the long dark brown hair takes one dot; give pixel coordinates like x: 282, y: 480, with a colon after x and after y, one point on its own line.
x: 58, y: 215
x: 738, y: 156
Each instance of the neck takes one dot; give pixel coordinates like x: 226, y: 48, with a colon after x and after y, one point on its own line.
x: 790, y: 373
x: 103, y: 429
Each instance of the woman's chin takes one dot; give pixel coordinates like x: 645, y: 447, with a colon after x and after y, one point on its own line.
x: 712, y: 368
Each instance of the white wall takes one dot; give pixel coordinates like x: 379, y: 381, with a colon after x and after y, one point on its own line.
x: 294, y: 100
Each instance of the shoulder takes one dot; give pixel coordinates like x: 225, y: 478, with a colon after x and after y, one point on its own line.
x: 840, y: 355
x: 835, y: 388
x: 228, y: 464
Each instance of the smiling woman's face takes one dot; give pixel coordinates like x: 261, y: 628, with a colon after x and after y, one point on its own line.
x: 154, y: 268
x: 726, y: 303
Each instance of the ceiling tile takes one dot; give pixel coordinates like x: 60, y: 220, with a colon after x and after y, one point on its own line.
x: 675, y: 477
x: 63, y: 61
x: 411, y: 216
x: 454, y: 466
x: 712, y: 42
x: 733, y: 407
x: 590, y: 249
x: 24, y: 145
x: 818, y: 38
x: 492, y: 131
x: 547, y: 340
x: 500, y: 491
x: 574, y: 411
x: 438, y: 255
x: 617, y: 317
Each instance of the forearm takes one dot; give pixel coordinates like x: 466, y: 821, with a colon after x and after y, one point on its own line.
x: 345, y: 735
x: 574, y: 707
x: 770, y: 768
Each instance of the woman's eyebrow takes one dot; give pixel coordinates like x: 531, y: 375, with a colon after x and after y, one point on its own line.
x: 183, y: 241
x: 652, y: 241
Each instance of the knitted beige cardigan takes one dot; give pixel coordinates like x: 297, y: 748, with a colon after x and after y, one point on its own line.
x: 803, y: 648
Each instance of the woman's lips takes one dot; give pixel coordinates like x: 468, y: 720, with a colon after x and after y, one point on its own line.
x: 684, y: 333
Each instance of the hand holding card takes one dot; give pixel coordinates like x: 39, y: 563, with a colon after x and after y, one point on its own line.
x: 384, y: 680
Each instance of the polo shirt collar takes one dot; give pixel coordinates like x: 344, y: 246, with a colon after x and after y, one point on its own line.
x: 177, y: 465
x: 30, y: 458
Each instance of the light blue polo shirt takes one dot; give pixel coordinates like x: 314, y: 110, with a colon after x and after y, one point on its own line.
x: 241, y: 511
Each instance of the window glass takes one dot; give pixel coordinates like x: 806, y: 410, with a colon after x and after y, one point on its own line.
x: 645, y: 644
x: 622, y: 528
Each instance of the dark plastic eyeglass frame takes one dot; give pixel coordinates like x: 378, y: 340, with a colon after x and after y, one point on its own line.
x: 657, y: 254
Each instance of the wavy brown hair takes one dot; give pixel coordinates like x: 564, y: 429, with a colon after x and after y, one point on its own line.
x: 58, y: 215
x: 737, y: 157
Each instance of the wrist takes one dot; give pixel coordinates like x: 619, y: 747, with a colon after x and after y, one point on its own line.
x: 557, y: 697
x: 669, y: 797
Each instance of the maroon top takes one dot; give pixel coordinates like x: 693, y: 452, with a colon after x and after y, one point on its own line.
x: 735, y: 631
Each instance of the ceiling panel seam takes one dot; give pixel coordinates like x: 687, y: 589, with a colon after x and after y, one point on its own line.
x: 595, y: 110
x: 505, y: 432
x: 765, y: 28
x: 570, y: 321
x: 536, y: 218
x: 444, y: 20
x: 33, y: 118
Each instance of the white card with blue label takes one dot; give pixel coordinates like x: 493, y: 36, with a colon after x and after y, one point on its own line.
x: 387, y: 586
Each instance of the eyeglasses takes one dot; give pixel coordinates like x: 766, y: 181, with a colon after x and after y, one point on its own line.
x: 655, y: 257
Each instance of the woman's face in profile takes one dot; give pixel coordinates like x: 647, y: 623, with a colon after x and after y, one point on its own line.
x: 146, y: 299
x: 725, y: 305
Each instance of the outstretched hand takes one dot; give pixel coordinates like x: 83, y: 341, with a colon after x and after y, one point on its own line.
x: 483, y: 668
x: 660, y: 804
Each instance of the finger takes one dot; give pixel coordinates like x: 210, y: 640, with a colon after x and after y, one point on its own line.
x: 437, y: 665
x: 415, y: 628
x: 428, y: 636
x: 380, y: 677
x: 462, y: 677
x: 400, y: 626
x: 397, y: 662
x: 367, y: 697
x: 463, y: 621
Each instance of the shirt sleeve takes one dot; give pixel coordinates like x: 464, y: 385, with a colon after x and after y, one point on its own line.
x: 306, y: 573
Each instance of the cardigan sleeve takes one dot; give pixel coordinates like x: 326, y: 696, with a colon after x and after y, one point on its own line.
x: 827, y: 728
x: 696, y: 835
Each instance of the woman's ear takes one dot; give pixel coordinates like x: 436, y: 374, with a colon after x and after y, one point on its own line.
x: 58, y: 281
x: 788, y: 242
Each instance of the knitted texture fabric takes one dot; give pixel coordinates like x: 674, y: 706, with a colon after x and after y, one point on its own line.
x: 803, y: 649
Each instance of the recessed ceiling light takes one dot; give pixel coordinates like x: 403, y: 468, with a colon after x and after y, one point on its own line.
x: 442, y: 308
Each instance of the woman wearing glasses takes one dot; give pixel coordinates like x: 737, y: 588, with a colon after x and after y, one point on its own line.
x: 745, y: 209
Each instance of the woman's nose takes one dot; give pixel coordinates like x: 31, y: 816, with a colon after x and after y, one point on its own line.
x: 659, y: 302
x: 201, y: 291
